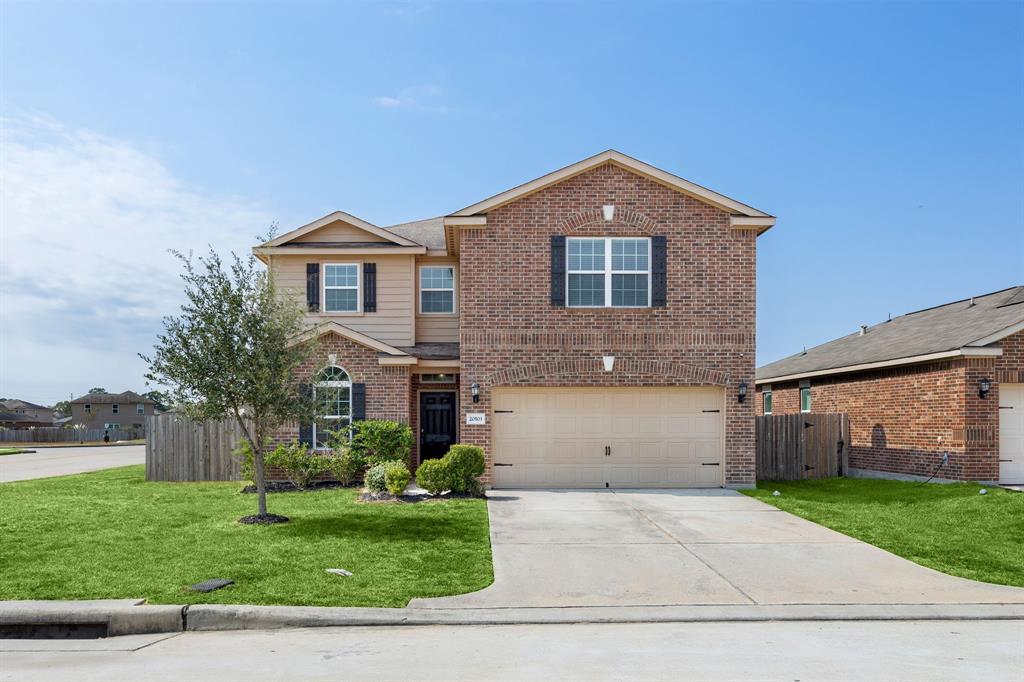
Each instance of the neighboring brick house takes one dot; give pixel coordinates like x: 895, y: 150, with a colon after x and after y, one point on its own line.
x: 590, y: 328
x: 947, y: 380
x: 125, y: 411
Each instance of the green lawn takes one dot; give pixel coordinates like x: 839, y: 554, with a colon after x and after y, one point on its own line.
x: 10, y: 451
x: 111, y: 534
x: 948, y: 527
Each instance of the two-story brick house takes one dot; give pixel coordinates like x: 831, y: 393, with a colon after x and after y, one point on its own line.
x: 591, y: 328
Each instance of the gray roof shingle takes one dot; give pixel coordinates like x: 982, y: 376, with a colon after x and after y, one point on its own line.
x: 429, y: 232
x: 947, y: 327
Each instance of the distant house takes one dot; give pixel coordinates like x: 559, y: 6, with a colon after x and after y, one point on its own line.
x: 40, y: 414
x: 13, y: 420
x: 124, y: 411
x: 938, y: 391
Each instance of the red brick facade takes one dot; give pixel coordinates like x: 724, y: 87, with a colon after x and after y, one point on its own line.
x: 898, y: 414
x: 511, y: 334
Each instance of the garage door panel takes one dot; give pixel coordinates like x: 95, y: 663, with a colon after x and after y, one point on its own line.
x: 557, y: 437
x: 1011, y: 433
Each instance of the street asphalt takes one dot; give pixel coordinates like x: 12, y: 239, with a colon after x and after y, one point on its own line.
x: 46, y: 462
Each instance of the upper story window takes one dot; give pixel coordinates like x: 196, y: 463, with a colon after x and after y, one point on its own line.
x: 437, y: 289
x: 115, y: 408
x: 341, y: 288
x: 140, y: 409
x: 608, y: 272
x: 88, y: 408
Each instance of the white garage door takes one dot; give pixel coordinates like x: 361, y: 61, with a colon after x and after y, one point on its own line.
x: 1011, y: 433
x: 609, y: 437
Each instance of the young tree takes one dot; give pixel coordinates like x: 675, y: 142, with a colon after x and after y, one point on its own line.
x: 163, y: 403
x: 231, y: 353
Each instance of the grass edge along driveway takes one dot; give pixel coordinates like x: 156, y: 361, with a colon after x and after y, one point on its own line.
x: 111, y: 534
x: 949, y: 527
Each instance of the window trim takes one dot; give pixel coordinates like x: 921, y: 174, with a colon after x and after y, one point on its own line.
x: 112, y: 426
x: 420, y: 289
x: 331, y: 384
x: 608, y: 272
x: 358, y: 289
x: 810, y: 405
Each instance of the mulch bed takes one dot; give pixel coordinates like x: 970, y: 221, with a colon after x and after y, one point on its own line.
x: 264, y: 520
x: 287, y: 487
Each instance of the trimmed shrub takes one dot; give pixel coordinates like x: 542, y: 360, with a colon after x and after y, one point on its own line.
x: 376, y: 478
x: 382, y: 440
x: 432, y: 476
x: 345, y: 468
x: 465, y: 465
x: 396, y: 477
x: 298, y: 464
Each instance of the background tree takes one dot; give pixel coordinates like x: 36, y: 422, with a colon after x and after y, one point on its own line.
x: 163, y: 402
x: 231, y: 353
x: 64, y: 407
x: 97, y: 390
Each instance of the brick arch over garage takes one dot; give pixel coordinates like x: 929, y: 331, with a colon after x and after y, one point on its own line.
x: 591, y: 370
x: 595, y: 217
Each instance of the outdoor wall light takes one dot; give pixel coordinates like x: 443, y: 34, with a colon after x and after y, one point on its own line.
x: 742, y: 394
x: 984, y: 386
x: 474, y: 390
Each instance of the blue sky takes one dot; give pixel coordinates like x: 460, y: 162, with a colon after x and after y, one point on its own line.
x: 887, y: 138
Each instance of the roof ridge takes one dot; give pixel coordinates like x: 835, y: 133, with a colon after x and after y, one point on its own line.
x: 962, y: 300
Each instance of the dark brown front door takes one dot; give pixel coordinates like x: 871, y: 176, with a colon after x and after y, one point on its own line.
x: 437, y: 423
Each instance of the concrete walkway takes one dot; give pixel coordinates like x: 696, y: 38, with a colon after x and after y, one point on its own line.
x: 689, y: 547
x: 47, y: 462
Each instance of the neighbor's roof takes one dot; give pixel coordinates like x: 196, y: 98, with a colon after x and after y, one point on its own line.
x: 17, y: 402
x: 960, y: 328
x: 126, y: 397
x: 22, y: 418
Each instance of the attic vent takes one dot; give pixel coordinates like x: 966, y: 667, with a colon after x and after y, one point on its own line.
x: 863, y: 329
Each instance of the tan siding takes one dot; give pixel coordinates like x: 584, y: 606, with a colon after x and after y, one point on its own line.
x: 392, y: 323
x: 437, y: 328
x: 338, y: 232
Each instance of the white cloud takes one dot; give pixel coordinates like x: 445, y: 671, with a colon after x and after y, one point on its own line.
x: 85, y: 277
x: 418, y: 97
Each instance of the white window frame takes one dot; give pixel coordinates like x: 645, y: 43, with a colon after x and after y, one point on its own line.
x: 115, y: 408
x: 358, y: 289
x: 332, y: 384
x: 140, y: 408
x: 88, y: 408
x: 766, y: 395
x: 608, y: 272
x: 419, y: 285
x: 810, y: 400
x: 112, y: 426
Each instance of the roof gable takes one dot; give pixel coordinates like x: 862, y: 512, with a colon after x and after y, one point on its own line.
x: 627, y: 162
x: 307, y: 233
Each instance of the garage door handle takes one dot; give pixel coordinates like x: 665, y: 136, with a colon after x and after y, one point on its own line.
x: 710, y: 464
x: 710, y: 410
x: 504, y: 411
x: 1006, y: 460
x: 501, y: 464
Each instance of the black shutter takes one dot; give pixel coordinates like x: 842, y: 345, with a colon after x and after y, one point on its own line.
x: 558, y: 270
x: 358, y: 402
x: 369, y: 287
x: 306, y: 430
x: 659, y: 272
x: 313, y: 287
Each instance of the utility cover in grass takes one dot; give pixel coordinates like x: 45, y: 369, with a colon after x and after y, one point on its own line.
x: 211, y: 585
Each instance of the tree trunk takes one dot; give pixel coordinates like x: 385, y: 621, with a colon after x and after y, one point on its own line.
x: 261, y: 479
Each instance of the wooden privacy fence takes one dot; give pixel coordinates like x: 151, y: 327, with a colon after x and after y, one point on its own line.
x: 180, y: 449
x: 53, y: 434
x: 791, y: 447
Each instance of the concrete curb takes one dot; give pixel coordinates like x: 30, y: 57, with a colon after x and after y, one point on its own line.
x: 131, y: 617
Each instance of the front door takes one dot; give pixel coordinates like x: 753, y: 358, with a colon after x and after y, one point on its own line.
x: 437, y: 423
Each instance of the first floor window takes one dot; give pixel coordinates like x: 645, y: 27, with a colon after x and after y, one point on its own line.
x: 341, y: 288
x: 116, y: 426
x: 608, y: 272
x: 805, y: 399
x: 333, y: 394
x: 437, y: 289
x: 437, y: 378
x: 766, y: 396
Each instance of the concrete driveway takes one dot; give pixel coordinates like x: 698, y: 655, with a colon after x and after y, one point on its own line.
x: 560, y: 548
x: 47, y: 462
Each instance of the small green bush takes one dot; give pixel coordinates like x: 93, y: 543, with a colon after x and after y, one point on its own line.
x: 396, y: 477
x: 298, y: 464
x: 345, y: 468
x: 465, y: 466
x: 376, y: 478
x: 382, y: 440
x: 432, y: 476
